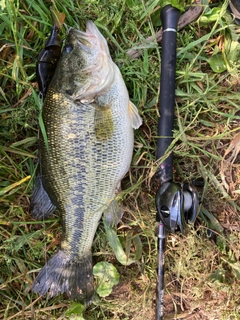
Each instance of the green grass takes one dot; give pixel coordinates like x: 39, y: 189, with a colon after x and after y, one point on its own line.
x: 202, y: 275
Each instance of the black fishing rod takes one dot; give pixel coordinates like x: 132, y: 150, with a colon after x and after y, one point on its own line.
x: 177, y: 204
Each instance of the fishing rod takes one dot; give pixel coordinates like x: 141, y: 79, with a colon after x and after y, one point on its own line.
x: 177, y: 204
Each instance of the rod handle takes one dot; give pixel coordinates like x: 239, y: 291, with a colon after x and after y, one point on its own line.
x: 169, y: 17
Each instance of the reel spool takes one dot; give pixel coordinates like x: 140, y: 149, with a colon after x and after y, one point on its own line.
x: 177, y: 205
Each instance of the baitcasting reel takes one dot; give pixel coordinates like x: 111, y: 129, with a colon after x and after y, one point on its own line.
x: 177, y: 205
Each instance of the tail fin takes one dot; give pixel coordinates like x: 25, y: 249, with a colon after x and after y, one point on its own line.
x: 66, y: 273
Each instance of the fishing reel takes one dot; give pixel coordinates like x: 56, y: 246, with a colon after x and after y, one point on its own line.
x: 177, y: 205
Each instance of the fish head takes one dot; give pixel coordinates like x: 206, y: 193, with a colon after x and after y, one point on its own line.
x: 85, y: 69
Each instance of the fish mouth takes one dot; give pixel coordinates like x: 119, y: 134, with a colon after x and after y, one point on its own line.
x: 84, y: 39
x: 95, y: 62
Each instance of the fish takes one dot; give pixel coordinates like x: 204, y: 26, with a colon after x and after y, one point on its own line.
x: 89, y: 122
x: 50, y: 54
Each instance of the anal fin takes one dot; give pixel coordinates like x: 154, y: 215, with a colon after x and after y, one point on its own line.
x: 41, y: 205
x: 113, y: 214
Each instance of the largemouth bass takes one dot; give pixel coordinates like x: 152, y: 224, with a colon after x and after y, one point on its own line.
x: 89, y: 123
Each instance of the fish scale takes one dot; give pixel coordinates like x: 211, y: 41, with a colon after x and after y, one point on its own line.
x: 88, y: 151
x: 79, y: 166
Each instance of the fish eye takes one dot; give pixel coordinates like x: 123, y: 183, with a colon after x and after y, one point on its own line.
x: 68, y: 48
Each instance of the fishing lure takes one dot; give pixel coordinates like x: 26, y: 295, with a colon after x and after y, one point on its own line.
x: 49, y: 56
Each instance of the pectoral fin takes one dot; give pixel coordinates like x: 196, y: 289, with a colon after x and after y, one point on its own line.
x: 41, y: 205
x: 136, y: 120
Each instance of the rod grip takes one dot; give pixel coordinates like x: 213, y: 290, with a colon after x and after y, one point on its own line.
x: 169, y: 16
